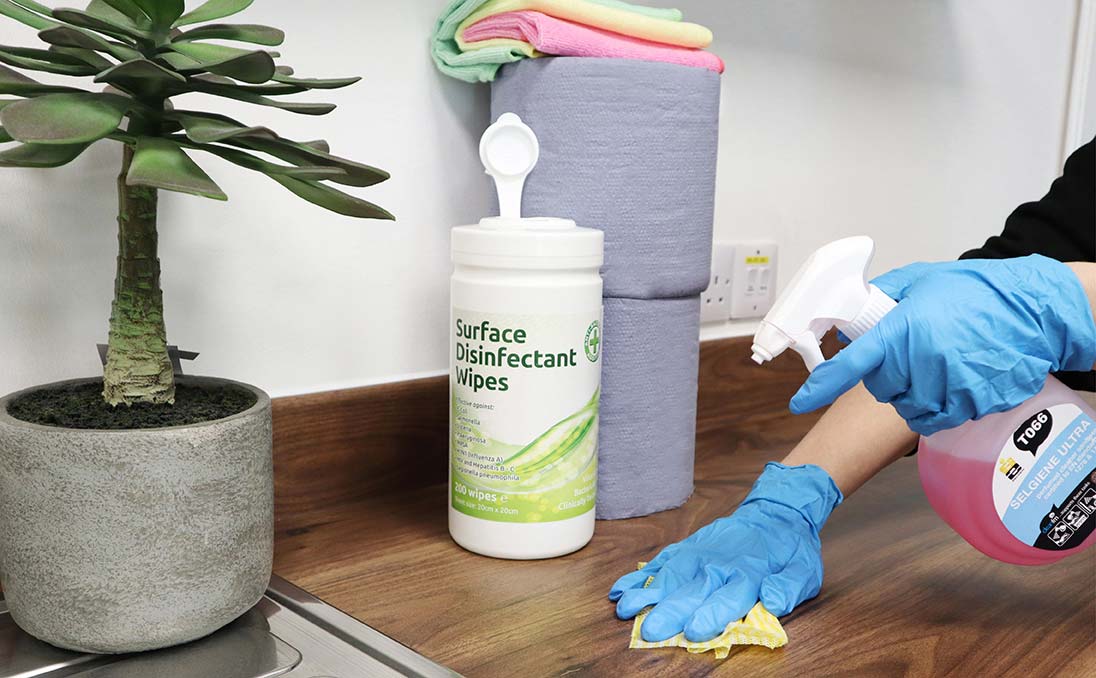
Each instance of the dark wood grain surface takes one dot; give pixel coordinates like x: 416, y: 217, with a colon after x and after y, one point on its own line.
x: 362, y: 524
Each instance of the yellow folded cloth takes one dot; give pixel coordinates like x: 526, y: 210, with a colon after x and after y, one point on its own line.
x: 758, y: 627
x: 509, y: 43
x: 607, y: 18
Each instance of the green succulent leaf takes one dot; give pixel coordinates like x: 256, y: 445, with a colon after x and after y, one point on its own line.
x: 44, y: 60
x: 161, y: 13
x: 117, y: 29
x: 108, y: 11
x: 14, y: 82
x: 65, y: 119
x: 241, y: 94
x: 275, y: 89
x: 41, y: 155
x: 34, y: 6
x: 211, y: 10
x: 4, y: 136
x: 253, y: 33
x: 205, y: 128
x: 8, y: 77
x: 42, y: 55
x: 119, y: 11
x: 316, y: 83
x: 157, y: 60
x: 161, y: 163
x: 67, y: 36
x: 35, y: 155
x: 178, y: 61
x: 317, y: 144
x: 45, y: 66
x: 257, y: 164
x: 141, y: 76
x: 357, y: 174
x: 249, y: 66
x: 332, y: 199
x: 89, y: 57
x: 25, y: 16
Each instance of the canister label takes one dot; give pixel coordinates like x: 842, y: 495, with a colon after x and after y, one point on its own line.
x: 1044, y: 485
x: 524, y: 414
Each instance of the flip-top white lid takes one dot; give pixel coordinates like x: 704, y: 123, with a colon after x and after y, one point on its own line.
x: 509, y: 150
x: 528, y: 243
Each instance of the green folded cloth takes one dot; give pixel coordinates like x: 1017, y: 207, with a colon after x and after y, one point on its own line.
x: 481, y: 65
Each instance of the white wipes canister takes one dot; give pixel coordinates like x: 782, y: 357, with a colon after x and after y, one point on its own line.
x: 525, y: 354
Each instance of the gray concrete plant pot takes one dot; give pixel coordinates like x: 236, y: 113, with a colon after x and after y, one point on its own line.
x: 123, y: 541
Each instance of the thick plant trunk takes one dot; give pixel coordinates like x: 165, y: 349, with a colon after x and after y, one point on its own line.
x: 138, y: 368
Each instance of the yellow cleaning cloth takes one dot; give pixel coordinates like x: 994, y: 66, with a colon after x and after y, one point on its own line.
x: 516, y: 45
x: 758, y: 627
x: 604, y: 17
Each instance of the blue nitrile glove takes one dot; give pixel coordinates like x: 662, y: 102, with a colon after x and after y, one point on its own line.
x: 767, y: 550
x: 968, y: 338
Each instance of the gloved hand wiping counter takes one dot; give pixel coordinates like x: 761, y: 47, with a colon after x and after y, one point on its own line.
x: 966, y: 339
x: 768, y: 550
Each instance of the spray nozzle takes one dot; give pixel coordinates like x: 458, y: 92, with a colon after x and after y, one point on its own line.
x: 830, y: 290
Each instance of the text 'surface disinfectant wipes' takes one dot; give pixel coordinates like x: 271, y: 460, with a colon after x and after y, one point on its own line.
x: 1020, y: 486
x: 525, y: 370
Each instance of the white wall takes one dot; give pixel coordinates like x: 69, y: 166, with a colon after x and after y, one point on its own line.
x: 921, y: 123
x: 1081, y: 115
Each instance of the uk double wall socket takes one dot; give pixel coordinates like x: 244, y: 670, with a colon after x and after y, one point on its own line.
x: 743, y: 281
x: 754, y: 279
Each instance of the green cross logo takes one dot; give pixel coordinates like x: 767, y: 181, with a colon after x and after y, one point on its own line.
x: 593, y: 342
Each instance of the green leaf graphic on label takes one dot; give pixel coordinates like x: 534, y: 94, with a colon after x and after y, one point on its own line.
x: 552, y: 478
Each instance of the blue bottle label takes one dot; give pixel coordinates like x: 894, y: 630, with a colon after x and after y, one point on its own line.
x: 1044, y: 486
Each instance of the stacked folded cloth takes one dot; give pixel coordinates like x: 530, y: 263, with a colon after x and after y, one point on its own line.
x: 473, y: 38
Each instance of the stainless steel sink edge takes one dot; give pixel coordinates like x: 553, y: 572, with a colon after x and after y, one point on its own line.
x: 381, y: 647
x: 289, y: 633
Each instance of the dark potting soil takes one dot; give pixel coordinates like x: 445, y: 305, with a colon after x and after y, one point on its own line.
x: 82, y: 406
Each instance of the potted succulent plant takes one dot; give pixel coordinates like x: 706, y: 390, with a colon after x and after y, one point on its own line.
x: 136, y: 508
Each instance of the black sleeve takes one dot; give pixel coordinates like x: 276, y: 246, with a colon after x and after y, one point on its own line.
x: 1061, y: 226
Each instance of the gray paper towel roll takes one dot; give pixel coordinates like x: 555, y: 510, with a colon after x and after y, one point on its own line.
x: 628, y: 147
x: 647, y: 433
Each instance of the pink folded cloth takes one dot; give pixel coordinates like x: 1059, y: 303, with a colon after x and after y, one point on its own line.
x: 550, y: 35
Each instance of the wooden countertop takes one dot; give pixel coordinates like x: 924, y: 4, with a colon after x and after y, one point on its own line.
x: 903, y: 594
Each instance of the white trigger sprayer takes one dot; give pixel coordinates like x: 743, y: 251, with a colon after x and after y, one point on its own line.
x: 830, y: 290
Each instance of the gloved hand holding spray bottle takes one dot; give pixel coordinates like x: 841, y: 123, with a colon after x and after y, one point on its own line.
x: 1017, y: 477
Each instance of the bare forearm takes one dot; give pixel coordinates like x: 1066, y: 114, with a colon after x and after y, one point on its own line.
x: 1086, y: 273
x: 854, y: 440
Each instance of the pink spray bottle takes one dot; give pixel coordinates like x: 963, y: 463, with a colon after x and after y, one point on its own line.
x: 1019, y: 486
